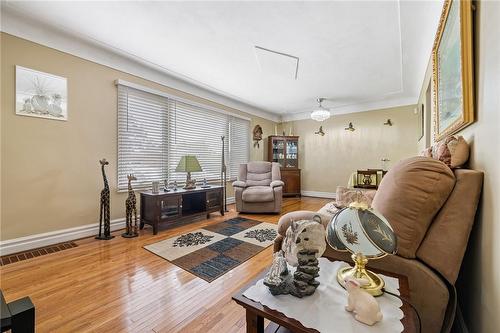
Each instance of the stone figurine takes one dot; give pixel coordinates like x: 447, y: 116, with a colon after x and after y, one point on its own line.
x: 305, y: 234
x: 364, y: 305
x: 131, y: 208
x: 301, y: 283
x: 278, y: 271
x: 104, y: 215
x: 303, y: 244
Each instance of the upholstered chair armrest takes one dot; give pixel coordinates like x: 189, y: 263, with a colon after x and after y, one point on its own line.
x: 286, y: 220
x: 346, y: 195
x: 276, y: 183
x: 239, y: 183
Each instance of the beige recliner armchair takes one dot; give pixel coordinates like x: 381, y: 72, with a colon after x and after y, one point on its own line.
x: 259, y: 188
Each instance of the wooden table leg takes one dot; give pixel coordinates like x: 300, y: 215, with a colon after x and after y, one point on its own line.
x: 155, y: 227
x: 255, y: 323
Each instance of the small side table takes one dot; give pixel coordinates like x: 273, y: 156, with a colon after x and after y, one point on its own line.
x: 256, y: 312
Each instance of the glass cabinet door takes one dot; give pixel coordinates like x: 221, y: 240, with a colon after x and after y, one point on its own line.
x: 292, y: 156
x: 170, y: 207
x: 214, y: 199
x: 278, y: 146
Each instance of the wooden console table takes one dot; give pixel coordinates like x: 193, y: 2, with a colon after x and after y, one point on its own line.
x: 179, y: 206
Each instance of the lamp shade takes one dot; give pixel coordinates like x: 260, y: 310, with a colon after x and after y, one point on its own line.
x: 367, y: 235
x: 363, y: 231
x: 320, y: 114
x: 188, y: 163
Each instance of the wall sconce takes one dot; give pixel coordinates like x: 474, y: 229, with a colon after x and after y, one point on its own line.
x: 388, y: 122
x: 320, y: 131
x: 350, y: 128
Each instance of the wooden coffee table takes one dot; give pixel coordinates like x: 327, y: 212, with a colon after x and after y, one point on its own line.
x: 256, y: 312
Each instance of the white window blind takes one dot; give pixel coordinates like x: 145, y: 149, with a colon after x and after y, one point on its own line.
x: 142, y: 140
x: 197, y: 132
x: 239, y: 145
x: 155, y: 131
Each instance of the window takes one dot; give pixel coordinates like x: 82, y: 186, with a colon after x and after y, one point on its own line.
x: 155, y: 131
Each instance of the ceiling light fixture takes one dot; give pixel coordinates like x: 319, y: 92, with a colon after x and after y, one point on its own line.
x: 321, y: 113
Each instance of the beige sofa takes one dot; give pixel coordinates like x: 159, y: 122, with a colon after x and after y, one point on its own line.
x: 431, y: 209
x: 259, y: 188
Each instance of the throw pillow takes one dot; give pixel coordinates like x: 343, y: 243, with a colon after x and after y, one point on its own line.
x: 452, y: 151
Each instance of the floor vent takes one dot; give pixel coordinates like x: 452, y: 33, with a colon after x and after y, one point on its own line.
x: 12, y: 258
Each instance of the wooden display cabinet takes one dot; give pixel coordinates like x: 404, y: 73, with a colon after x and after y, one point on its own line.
x: 285, y: 151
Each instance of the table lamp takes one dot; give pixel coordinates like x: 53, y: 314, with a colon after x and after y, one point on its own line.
x: 189, y: 163
x: 366, y: 234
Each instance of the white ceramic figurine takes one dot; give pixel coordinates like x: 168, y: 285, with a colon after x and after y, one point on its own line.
x: 364, y: 305
x: 301, y: 235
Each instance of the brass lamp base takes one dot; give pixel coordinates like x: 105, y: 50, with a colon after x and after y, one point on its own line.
x: 375, y: 282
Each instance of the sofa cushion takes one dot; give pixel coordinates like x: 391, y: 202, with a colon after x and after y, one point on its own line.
x: 454, y: 222
x: 259, y: 167
x: 259, y: 173
x: 410, y: 195
x: 258, y: 194
x: 259, y: 179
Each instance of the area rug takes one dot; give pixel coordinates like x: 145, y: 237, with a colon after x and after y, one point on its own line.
x: 212, y: 251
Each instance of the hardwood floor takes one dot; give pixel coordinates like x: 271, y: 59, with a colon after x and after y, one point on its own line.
x: 117, y: 286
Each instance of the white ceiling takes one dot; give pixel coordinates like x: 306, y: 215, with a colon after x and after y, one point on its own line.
x: 360, y: 54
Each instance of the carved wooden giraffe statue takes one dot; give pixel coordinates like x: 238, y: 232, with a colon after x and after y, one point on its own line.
x: 131, y: 207
x: 104, y: 209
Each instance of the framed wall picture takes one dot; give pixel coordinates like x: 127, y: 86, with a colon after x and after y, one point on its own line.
x: 40, y: 94
x: 453, y: 75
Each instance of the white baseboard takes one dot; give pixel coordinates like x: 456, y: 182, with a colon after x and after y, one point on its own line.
x: 64, y: 235
x: 53, y: 237
x: 329, y: 195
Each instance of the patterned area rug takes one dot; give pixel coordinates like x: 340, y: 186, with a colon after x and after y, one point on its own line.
x: 216, y: 249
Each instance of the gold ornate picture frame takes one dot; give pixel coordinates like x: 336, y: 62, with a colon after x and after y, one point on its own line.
x: 453, y: 69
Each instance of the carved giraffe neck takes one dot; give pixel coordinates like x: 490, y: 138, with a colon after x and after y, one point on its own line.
x: 130, y: 190
x: 106, y: 186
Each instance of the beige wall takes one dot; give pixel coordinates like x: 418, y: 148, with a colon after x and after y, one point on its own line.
x: 479, y: 283
x: 327, y: 161
x: 50, y: 172
x: 425, y: 99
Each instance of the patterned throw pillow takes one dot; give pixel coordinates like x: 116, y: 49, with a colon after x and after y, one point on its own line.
x: 345, y: 196
x: 452, y: 151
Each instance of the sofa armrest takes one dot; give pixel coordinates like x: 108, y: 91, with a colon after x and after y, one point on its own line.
x: 285, y: 220
x: 276, y: 183
x: 239, y: 183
